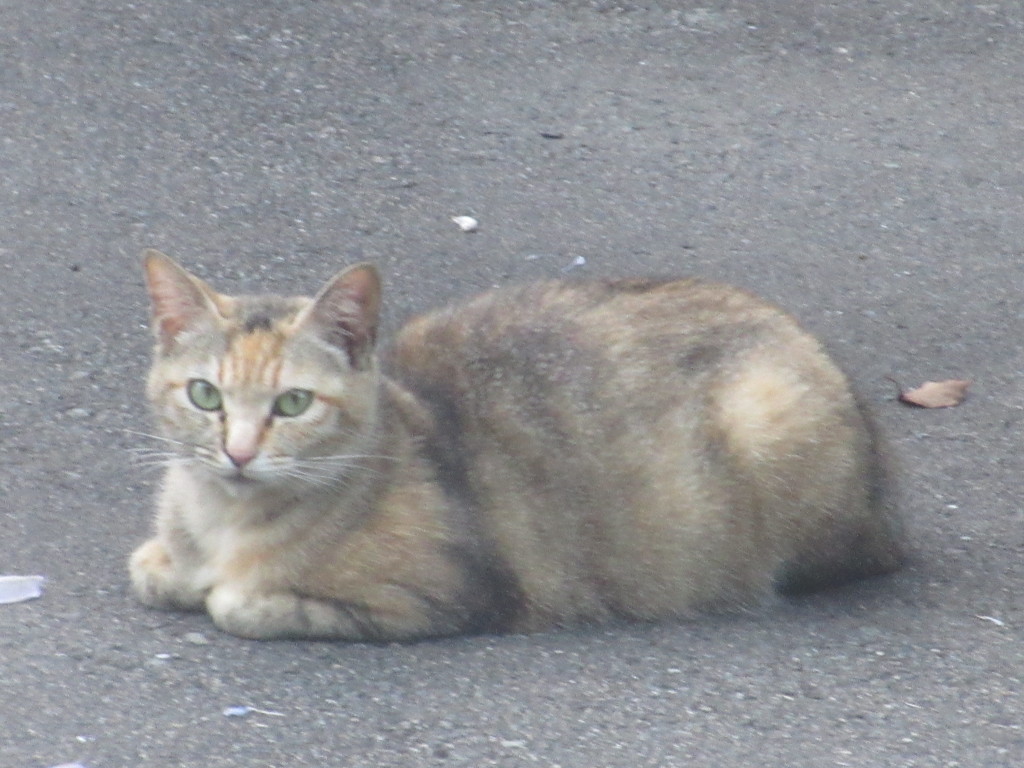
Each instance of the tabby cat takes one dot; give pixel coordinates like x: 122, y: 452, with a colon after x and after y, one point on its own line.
x: 551, y: 454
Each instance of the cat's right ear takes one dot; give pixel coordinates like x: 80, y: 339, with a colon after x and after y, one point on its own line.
x: 179, y: 300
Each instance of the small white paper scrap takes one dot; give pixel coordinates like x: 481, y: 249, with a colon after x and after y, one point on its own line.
x: 579, y: 261
x: 18, y: 589
x: 243, y: 710
x: 466, y: 223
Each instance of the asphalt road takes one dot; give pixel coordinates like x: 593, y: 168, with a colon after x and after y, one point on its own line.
x: 859, y: 162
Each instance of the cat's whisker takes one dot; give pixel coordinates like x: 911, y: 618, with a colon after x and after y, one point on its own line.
x: 159, y: 459
x: 161, y: 438
x: 187, y: 451
x: 338, y: 468
x: 315, y: 479
x: 147, y: 453
x: 353, y: 460
x: 323, y: 471
x: 347, y: 464
x: 350, y: 456
x: 326, y: 474
x: 318, y: 481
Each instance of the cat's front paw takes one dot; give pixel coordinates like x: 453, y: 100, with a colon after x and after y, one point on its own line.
x: 158, y: 583
x: 285, y: 615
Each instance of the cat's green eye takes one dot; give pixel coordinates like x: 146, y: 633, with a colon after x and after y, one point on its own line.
x: 204, y: 395
x: 293, y: 402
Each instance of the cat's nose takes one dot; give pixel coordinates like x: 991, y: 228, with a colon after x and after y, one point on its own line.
x: 241, y: 441
x: 240, y: 457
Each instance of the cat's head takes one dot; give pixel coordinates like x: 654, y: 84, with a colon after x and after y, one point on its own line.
x: 264, y: 389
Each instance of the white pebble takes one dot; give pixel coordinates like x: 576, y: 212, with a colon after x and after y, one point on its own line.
x: 466, y: 223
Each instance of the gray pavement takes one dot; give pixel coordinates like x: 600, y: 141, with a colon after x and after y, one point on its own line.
x: 861, y: 163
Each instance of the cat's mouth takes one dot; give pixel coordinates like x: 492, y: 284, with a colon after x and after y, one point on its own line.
x: 242, y: 478
x: 238, y: 477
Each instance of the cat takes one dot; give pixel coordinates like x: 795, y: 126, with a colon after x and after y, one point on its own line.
x: 544, y: 455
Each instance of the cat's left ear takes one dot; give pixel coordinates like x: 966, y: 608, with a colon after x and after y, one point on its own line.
x: 346, y: 312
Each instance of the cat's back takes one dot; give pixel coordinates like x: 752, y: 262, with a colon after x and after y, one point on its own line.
x: 540, y: 339
x: 602, y: 390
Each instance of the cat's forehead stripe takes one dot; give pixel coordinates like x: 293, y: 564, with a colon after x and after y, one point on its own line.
x: 253, y: 358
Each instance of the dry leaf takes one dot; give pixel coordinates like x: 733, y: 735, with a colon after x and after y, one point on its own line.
x: 937, y: 394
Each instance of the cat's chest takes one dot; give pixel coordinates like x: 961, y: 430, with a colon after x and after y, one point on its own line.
x: 235, y: 536
x: 216, y: 538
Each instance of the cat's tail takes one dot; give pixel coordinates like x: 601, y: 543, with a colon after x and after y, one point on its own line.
x: 814, y: 466
x: 867, y: 540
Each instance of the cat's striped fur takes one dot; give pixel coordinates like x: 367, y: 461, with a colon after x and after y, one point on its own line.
x: 543, y: 455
